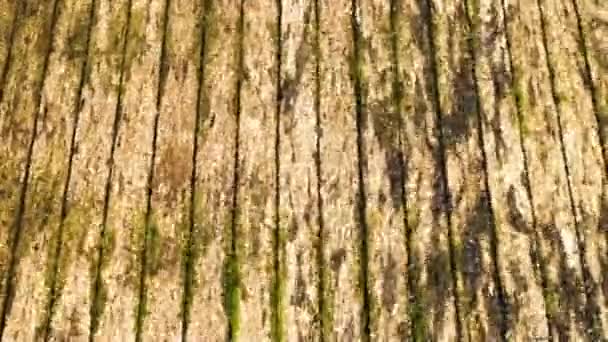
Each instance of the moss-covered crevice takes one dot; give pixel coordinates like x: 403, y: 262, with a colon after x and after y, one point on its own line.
x: 98, y: 262
x: 231, y: 281
x: 360, y: 84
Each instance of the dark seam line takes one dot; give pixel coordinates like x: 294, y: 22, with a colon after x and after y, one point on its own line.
x: 444, y: 171
x: 361, y: 203
x: 319, y: 173
x: 17, y: 227
x: 108, y: 186
x: 54, y: 291
x: 9, y: 55
x: 504, y: 324
x: 141, y: 307
x: 188, y: 273
x: 536, y: 254
x: 279, y: 247
x: 232, y: 330
x: 589, y: 79
x: 397, y: 94
x: 591, y: 318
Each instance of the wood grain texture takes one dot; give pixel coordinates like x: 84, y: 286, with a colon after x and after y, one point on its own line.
x: 169, y: 231
x: 593, y: 21
x: 583, y: 151
x: 260, y: 294
x: 472, y: 221
x: 131, y: 160
x: 555, y: 224
x: 432, y: 311
x: 35, y: 277
x: 20, y: 110
x: 339, y: 178
x: 382, y: 125
x: 213, y: 308
x: 303, y: 170
x: 9, y: 15
x: 507, y: 174
x: 298, y: 156
x: 90, y: 170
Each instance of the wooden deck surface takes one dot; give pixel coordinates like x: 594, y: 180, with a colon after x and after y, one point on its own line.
x: 303, y: 170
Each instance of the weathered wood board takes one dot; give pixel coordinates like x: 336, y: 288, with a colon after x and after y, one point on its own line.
x: 20, y: 113
x: 507, y: 174
x: 303, y: 170
x: 586, y: 168
x: 299, y: 200
x: 78, y: 298
x: 37, y: 266
x: 382, y: 166
x: 212, y: 300
x: 171, y: 198
x: 558, y: 252
x: 431, y: 302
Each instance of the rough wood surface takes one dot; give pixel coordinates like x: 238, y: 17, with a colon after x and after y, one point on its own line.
x: 470, y: 212
x: 75, y: 305
x: 583, y: 151
x: 309, y: 170
x: 261, y: 293
x: 20, y: 111
x: 343, y: 300
x: 381, y: 143
x: 299, y: 172
x: 592, y: 19
x: 559, y: 256
x: 507, y: 174
x: 127, y: 222
x: 8, y: 26
x: 171, y: 202
x: 36, y: 268
x: 431, y: 296
x: 212, y: 300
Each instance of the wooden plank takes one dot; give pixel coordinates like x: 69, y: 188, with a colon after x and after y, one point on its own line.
x: 478, y: 291
x: 8, y: 26
x: 171, y: 187
x: 558, y: 251
x: 298, y: 172
x: 213, y: 302
x: 127, y: 202
x: 383, y: 171
x: 261, y: 295
x: 19, y: 112
x: 432, y: 311
x: 72, y: 314
x: 593, y: 21
x: 36, y: 268
x: 343, y: 299
x: 583, y: 150
x: 507, y: 174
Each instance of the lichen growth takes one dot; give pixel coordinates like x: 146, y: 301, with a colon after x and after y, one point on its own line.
x: 136, y: 40
x: 99, y: 292
x: 232, y: 293
x: 419, y: 321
